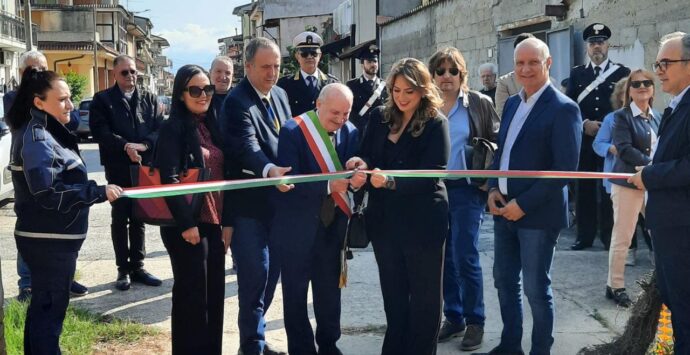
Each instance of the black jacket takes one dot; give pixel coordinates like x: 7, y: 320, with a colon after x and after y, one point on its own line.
x: 301, y: 98
x: 179, y: 148
x: 668, y: 178
x: 51, y: 189
x: 416, y: 212
x: 362, y: 91
x: 632, y: 137
x: 114, y: 123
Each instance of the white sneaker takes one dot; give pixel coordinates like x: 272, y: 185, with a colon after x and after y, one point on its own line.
x: 631, y: 259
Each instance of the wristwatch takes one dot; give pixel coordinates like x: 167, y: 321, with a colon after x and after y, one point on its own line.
x: 390, y: 182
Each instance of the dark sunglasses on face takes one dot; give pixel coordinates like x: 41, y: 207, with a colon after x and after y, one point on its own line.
x: 452, y: 71
x: 126, y: 73
x: 639, y: 83
x: 663, y: 64
x: 307, y: 53
x: 195, y: 91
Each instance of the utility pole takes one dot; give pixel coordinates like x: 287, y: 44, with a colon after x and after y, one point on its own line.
x: 95, y: 47
x: 27, y: 24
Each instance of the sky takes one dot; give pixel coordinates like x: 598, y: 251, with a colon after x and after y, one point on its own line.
x: 192, y: 28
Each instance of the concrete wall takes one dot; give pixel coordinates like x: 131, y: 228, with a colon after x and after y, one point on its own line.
x: 298, y: 8
x: 475, y: 26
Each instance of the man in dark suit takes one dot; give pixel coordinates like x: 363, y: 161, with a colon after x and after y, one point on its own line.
x: 251, y: 118
x: 366, y: 88
x: 541, y: 130
x: 124, y: 121
x: 304, y: 86
x: 591, y: 86
x: 310, y: 225
x: 668, y: 181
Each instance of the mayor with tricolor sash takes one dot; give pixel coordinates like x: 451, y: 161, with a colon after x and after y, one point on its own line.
x: 310, y: 219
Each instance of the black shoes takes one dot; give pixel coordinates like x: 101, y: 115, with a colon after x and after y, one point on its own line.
x: 77, y: 290
x: 24, y: 294
x: 122, y: 283
x: 450, y: 330
x: 619, y: 296
x: 474, y: 335
x: 143, y: 277
x: 580, y: 246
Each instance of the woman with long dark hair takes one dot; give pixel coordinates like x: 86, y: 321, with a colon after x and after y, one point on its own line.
x: 191, y: 138
x: 52, y: 199
x: 408, y: 218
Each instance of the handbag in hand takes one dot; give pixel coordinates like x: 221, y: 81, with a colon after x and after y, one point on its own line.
x: 480, y: 156
x: 356, y: 234
x: 155, y: 210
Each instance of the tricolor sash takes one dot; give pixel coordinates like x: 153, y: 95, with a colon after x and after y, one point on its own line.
x: 324, y: 152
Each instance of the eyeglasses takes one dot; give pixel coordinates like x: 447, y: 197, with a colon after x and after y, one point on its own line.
x: 306, y: 53
x: 639, y: 83
x: 663, y: 64
x: 452, y: 71
x: 195, y: 91
x: 129, y: 72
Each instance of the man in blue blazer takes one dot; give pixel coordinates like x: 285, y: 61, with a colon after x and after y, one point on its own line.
x: 541, y: 130
x: 668, y: 183
x: 310, y: 226
x: 251, y: 118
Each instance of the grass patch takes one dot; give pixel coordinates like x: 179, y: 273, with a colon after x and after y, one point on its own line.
x: 81, y: 332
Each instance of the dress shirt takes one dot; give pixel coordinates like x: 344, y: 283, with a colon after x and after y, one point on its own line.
x: 305, y: 77
x: 263, y: 96
x: 459, y: 128
x: 523, y: 111
x: 603, y: 65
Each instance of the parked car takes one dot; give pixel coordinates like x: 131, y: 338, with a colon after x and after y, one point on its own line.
x: 83, y: 131
x: 6, y: 186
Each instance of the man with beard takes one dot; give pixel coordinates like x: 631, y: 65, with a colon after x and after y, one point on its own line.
x: 591, y: 86
x: 369, y: 90
x: 305, y: 85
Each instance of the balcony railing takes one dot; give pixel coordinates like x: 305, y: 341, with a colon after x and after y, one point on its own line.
x: 12, y: 27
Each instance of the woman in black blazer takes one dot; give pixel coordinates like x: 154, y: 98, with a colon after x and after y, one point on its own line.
x: 408, y: 217
x: 634, y: 135
x: 191, y: 138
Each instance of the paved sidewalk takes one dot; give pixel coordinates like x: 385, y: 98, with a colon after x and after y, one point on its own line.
x: 583, y: 315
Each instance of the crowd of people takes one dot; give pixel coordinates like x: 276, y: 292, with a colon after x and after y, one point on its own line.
x: 424, y: 231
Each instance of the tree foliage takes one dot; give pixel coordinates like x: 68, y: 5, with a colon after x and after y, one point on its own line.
x: 77, y: 85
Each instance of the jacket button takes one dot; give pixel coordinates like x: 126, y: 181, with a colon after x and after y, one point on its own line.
x: 596, y: 98
x: 596, y: 109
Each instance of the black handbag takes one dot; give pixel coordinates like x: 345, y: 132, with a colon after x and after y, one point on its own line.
x: 480, y: 156
x: 356, y: 233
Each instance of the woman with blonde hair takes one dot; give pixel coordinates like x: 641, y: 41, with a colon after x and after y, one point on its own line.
x: 634, y: 135
x: 408, y: 218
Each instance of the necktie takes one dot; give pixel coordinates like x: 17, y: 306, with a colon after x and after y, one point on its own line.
x: 312, y: 85
x: 597, y: 70
x: 271, y: 115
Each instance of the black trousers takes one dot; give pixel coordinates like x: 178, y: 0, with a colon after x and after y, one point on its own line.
x: 671, y: 251
x: 199, y: 290
x: 411, y: 284
x: 594, y: 211
x: 128, y: 237
x: 52, y: 263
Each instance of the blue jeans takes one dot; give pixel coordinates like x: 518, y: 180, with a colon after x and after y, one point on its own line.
x: 23, y: 272
x: 258, y: 270
x: 463, y: 287
x: 530, y: 251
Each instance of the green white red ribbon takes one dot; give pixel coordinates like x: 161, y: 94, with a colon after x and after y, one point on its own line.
x: 201, y: 187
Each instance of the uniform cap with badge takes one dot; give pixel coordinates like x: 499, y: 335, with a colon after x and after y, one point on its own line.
x: 308, y: 43
x: 596, y: 33
x: 370, y: 53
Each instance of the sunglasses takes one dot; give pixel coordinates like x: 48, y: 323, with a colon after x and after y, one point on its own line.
x: 307, y: 53
x: 639, y: 83
x: 127, y: 73
x: 452, y: 71
x: 195, y: 91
